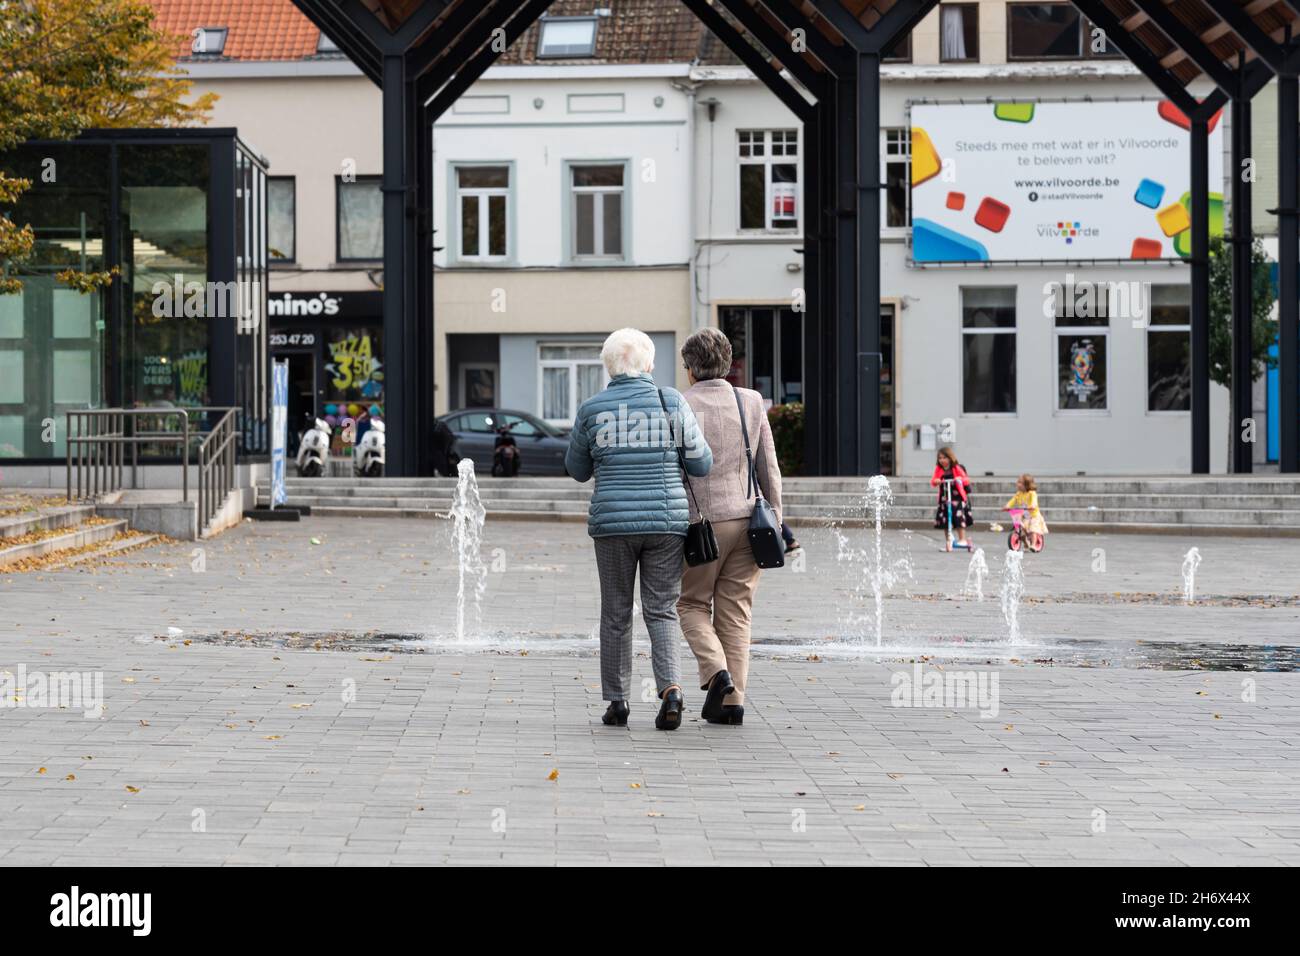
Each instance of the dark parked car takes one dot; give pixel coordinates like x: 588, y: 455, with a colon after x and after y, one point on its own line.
x: 471, y: 433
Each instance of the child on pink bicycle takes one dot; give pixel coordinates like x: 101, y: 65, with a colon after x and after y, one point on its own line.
x: 1023, y: 507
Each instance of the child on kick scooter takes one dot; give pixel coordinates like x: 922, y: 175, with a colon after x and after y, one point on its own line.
x: 953, y: 513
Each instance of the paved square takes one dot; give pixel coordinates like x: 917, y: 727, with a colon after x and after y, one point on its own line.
x: 228, y: 751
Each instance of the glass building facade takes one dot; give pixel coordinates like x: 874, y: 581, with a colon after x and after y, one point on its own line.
x: 181, y: 215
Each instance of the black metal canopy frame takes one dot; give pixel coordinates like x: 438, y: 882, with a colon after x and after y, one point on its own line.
x: 822, y: 59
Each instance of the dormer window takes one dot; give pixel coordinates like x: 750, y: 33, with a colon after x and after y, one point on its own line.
x: 567, y: 37
x: 325, y: 45
x: 209, y: 41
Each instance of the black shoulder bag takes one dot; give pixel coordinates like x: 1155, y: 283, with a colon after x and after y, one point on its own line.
x: 701, y: 545
x: 764, y: 531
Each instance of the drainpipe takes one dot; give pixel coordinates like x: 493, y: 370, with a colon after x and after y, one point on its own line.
x: 689, y: 89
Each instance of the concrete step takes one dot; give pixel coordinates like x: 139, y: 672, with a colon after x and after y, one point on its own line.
x: 77, y: 537
x: 46, y: 519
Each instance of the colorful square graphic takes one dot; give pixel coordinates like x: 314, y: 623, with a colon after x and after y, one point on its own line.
x: 1014, y: 112
x: 992, y: 215
x: 1173, y: 219
x: 1146, y: 249
x: 925, y: 158
x: 956, y: 200
x: 1149, y: 193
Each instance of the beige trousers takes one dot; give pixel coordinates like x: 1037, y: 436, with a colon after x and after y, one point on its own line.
x: 716, y: 605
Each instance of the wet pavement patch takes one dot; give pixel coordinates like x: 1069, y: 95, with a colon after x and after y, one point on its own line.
x: 1060, y: 652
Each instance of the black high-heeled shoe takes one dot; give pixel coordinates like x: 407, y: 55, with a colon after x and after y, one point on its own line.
x: 616, y: 713
x: 670, y: 711
x: 718, y: 689
x: 733, y: 714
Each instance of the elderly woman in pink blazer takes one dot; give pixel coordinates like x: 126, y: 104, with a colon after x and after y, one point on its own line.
x: 717, y: 598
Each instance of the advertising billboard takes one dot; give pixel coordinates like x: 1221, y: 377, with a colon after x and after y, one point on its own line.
x: 1044, y: 181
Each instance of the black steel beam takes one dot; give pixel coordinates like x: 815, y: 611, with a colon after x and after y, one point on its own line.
x: 222, y: 332
x: 355, y: 45
x: 1187, y: 41
x: 779, y: 46
x: 751, y: 57
x: 898, y: 20
x: 1251, y: 34
x: 1137, y: 53
x: 1242, y: 287
x: 834, y: 58
x: 464, y: 46
x: 407, y: 33
x: 845, y: 23
x: 815, y: 298
x: 868, y: 263
x: 399, y: 354
x: 845, y: 349
x: 1288, y: 257
x: 485, y: 57
x: 450, y: 30
x: 1200, y: 267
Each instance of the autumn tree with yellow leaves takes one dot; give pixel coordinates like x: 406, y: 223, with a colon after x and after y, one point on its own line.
x: 72, y: 65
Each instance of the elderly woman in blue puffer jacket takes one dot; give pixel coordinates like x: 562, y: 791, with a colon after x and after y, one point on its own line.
x: 628, y: 436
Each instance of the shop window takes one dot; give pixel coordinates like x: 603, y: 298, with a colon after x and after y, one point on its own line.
x: 597, y: 211
x: 1082, y: 323
x: 483, y: 194
x: 1169, y: 349
x: 766, y: 350
x: 354, y: 368
x: 360, y: 217
x: 896, y: 155
x: 1053, y: 31
x: 566, y: 37
x: 769, y: 178
x: 988, y: 318
x: 281, y: 218
x: 478, y: 385
x: 570, y: 374
x: 959, y: 32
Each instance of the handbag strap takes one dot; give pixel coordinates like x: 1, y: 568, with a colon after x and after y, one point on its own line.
x: 753, y: 490
x: 681, y: 455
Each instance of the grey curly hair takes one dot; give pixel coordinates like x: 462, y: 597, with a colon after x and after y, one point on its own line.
x: 707, y: 354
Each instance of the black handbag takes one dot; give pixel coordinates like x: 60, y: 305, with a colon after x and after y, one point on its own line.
x: 701, y: 544
x: 764, y: 531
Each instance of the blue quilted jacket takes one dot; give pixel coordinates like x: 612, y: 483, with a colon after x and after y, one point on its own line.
x: 622, y: 437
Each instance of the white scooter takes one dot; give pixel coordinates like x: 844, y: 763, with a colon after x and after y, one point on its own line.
x: 314, y: 450
x: 368, y: 458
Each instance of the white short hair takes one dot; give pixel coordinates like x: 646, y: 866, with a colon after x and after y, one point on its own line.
x: 628, y: 352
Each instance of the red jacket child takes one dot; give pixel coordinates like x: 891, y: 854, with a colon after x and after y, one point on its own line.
x: 961, y: 481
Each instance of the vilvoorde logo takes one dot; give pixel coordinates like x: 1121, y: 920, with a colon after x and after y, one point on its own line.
x: 103, y: 909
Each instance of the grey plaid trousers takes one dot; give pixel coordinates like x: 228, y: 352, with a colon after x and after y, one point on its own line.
x: 659, y: 557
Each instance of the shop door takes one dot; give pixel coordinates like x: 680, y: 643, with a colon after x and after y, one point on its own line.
x: 302, y: 395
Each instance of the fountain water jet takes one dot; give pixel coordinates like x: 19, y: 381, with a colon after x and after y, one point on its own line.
x: 1190, y: 563
x: 1013, y: 588
x: 879, y: 497
x: 467, y: 515
x: 976, y: 572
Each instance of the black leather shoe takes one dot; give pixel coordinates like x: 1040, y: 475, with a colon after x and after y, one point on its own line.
x: 670, y: 711
x: 718, y: 689
x: 616, y: 713
x: 733, y: 714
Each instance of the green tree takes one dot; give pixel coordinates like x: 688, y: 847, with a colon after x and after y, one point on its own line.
x: 1263, y: 330
x: 70, y: 65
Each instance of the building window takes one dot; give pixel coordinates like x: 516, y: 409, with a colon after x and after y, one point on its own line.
x: 209, y: 41
x: 360, y: 217
x: 1082, y: 322
x: 325, y: 45
x: 570, y: 374
x: 567, y: 37
x: 769, y: 179
x: 896, y: 154
x: 281, y: 218
x: 1169, y: 349
x: 484, y: 197
x: 766, y: 350
x: 596, y: 209
x: 1054, y: 31
x: 959, y: 32
x: 988, y: 346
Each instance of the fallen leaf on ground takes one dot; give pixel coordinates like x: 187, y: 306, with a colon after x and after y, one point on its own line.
x: 131, y: 789
x: 555, y: 775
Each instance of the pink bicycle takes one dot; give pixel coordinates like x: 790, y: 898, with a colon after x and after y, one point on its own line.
x: 1021, y: 535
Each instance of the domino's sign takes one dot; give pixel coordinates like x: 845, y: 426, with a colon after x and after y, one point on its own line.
x: 1045, y: 181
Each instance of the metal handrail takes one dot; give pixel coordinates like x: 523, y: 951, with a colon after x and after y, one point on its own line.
x: 216, y: 467
x: 97, y: 440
